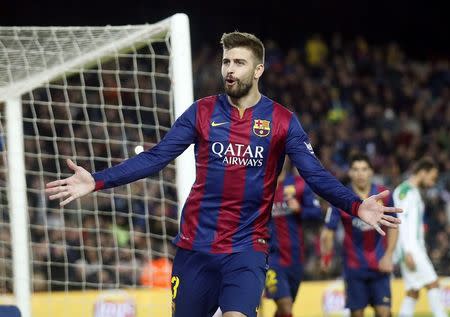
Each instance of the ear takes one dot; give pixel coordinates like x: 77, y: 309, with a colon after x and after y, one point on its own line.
x: 259, y: 70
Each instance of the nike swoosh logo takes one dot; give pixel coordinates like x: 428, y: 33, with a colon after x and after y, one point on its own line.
x: 216, y: 124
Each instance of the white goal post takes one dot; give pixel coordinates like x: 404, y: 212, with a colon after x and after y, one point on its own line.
x: 89, y: 93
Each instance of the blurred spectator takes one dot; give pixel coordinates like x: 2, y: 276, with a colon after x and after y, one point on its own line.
x: 316, y: 50
x: 157, y: 273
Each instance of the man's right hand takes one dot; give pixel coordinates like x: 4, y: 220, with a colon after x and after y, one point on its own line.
x: 373, y: 213
x: 73, y: 187
x: 409, y: 261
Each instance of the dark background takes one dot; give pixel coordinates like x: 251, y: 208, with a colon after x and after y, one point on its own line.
x: 421, y: 28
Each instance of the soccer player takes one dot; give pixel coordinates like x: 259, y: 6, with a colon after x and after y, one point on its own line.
x: 368, y: 256
x: 415, y: 266
x: 241, y: 138
x: 293, y: 201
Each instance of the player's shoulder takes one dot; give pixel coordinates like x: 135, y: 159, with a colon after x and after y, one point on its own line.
x: 207, y: 102
x: 403, y: 190
x: 208, y: 99
x: 280, y: 109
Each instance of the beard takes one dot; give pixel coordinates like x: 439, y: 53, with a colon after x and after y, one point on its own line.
x: 239, y: 89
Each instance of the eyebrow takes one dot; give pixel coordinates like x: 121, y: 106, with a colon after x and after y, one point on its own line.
x: 235, y: 59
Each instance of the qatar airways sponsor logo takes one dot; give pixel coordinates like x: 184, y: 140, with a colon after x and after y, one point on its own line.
x: 239, y: 154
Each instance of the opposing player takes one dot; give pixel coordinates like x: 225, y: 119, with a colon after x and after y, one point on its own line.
x: 368, y: 257
x: 416, y: 268
x: 241, y: 138
x: 293, y: 202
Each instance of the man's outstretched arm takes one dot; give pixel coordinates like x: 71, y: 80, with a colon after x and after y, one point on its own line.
x: 327, y: 186
x: 181, y: 135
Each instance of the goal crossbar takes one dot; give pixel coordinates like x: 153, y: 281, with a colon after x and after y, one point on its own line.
x: 136, y: 33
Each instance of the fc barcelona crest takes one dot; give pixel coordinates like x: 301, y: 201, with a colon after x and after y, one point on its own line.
x: 261, y: 127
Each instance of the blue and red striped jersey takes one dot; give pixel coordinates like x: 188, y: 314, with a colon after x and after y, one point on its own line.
x: 286, y: 234
x: 363, y: 247
x: 238, y: 160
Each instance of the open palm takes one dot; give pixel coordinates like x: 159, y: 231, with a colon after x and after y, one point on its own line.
x: 73, y: 187
x: 373, y: 213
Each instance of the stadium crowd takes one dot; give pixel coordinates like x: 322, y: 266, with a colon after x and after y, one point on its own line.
x: 349, y: 96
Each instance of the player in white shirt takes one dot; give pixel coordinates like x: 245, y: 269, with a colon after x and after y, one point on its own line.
x: 415, y: 265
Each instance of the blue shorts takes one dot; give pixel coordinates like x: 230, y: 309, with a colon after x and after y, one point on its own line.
x: 9, y: 311
x: 283, y: 281
x: 367, y: 288
x: 201, y: 282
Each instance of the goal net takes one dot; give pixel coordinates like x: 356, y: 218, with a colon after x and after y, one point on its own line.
x: 96, y: 95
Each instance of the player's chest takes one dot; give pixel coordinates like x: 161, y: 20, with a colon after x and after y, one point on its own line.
x: 235, y: 140
x: 229, y: 128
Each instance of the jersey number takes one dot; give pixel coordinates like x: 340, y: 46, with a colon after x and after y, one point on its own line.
x: 175, y: 283
x: 271, y: 281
